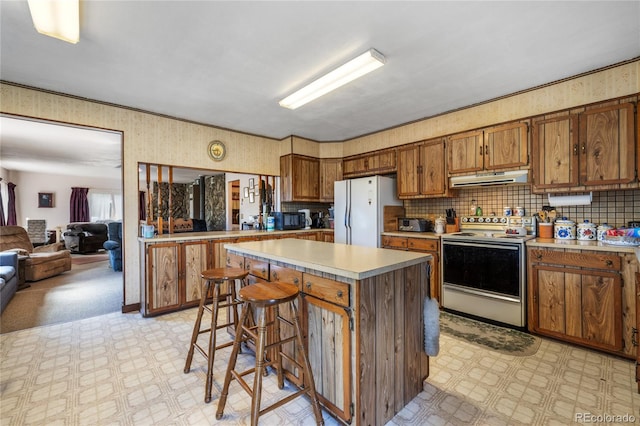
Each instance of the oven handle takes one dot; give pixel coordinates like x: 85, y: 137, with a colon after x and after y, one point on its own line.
x: 490, y: 295
x: 496, y: 246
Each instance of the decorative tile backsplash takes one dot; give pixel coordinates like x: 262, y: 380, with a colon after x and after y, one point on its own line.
x: 613, y: 207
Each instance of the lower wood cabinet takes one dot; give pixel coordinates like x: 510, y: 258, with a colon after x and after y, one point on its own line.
x: 637, y: 329
x: 577, y: 296
x: 172, y: 275
x: 423, y: 245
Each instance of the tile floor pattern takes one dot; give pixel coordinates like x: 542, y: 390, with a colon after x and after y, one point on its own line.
x: 127, y: 370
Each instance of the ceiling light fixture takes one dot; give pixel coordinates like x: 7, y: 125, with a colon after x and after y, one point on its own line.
x: 57, y: 18
x: 357, y: 67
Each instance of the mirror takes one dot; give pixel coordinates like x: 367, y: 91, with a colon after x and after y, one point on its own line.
x: 177, y: 199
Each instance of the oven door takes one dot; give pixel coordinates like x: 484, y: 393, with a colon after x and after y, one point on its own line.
x: 484, y: 279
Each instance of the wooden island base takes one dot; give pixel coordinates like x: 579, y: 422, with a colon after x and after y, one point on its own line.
x: 362, y: 320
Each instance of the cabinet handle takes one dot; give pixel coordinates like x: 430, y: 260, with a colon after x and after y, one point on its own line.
x: 481, y: 150
x: 264, y: 270
x: 339, y: 294
x: 609, y: 263
x: 295, y: 281
x: 308, y: 285
x: 575, y: 149
x: 275, y: 276
x: 539, y: 256
x: 486, y: 150
x: 584, y: 149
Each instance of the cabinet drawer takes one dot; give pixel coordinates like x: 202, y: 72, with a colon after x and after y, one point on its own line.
x: 235, y: 261
x: 595, y: 260
x: 257, y: 268
x: 422, y: 244
x: 326, y: 289
x: 394, y: 242
x: 287, y: 275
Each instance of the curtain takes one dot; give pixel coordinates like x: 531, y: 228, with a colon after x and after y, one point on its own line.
x: 11, y: 214
x: 142, y: 206
x: 2, y: 221
x: 105, y: 204
x: 79, y: 205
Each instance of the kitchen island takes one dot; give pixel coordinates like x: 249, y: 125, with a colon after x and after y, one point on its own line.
x: 362, y: 320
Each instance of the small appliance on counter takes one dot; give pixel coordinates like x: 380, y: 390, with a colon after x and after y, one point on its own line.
x: 287, y: 221
x: 307, y: 218
x: 414, y: 225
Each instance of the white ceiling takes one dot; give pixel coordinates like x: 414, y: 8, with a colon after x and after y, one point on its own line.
x: 229, y: 63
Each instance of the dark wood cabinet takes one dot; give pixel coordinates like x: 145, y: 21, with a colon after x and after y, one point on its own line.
x: 330, y: 172
x: 299, y: 178
x: 494, y: 148
x: 422, y: 170
x: 369, y: 164
x: 591, y: 148
x: 576, y: 296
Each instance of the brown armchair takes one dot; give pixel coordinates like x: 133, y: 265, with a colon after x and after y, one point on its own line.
x: 42, y: 262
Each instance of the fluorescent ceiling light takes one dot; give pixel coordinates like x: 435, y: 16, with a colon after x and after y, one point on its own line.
x: 342, y: 75
x: 57, y: 18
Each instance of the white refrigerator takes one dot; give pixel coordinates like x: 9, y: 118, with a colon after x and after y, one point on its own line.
x: 358, y: 209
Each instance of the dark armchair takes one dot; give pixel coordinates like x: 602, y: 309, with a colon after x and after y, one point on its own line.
x: 85, y: 237
x: 114, y: 245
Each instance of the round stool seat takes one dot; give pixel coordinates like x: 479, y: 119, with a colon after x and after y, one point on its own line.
x: 270, y: 294
x: 224, y: 274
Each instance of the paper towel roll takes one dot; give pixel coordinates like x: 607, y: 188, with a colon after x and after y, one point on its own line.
x: 570, y: 200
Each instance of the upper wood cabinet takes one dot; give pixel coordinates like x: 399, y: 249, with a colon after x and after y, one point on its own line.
x: 299, y: 178
x: 330, y: 171
x: 593, y: 148
x: 494, y: 148
x: 371, y: 163
x: 422, y: 170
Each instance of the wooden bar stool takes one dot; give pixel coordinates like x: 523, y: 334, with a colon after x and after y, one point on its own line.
x: 214, y: 278
x: 261, y: 296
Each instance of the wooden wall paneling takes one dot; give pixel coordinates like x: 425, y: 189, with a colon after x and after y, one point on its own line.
x: 385, y: 347
x: 366, y: 332
x: 399, y: 339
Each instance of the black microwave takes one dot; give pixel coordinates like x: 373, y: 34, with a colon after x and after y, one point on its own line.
x: 284, y: 220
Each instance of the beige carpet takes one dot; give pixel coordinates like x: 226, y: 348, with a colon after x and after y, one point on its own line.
x: 86, y: 291
x: 81, y: 259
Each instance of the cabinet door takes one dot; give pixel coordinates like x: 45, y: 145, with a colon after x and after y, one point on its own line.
x: 306, y: 177
x: 354, y: 166
x: 328, y: 340
x: 330, y: 171
x: 555, y: 152
x: 163, y: 272
x: 195, y: 260
x: 381, y: 161
x: 637, y: 329
x: 579, y: 306
x: 506, y: 146
x: 409, y: 171
x: 433, y: 179
x: 607, y: 150
x: 466, y: 152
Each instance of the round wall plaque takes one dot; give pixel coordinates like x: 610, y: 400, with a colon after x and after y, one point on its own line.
x: 216, y: 150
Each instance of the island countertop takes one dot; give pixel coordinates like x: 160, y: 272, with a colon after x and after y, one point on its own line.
x: 354, y: 262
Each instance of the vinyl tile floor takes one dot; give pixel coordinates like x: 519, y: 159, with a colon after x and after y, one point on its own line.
x: 122, y: 369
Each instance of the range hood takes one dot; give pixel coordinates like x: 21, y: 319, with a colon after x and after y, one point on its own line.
x: 487, y: 179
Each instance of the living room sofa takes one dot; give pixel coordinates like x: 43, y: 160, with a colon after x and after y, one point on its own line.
x: 8, y: 278
x: 43, y: 261
x: 114, y: 245
x: 85, y: 237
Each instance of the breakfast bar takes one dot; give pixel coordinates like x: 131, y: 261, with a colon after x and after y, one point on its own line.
x: 361, y: 317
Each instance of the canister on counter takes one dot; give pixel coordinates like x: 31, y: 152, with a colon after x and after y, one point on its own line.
x: 565, y: 229
x: 586, y: 231
x: 506, y: 211
x: 602, y: 230
x: 518, y: 211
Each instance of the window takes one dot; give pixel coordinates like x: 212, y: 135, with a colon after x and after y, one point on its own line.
x: 105, y: 205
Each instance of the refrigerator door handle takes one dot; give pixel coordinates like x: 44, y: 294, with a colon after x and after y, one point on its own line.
x: 347, y: 213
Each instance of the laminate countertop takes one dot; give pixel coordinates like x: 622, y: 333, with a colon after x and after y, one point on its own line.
x: 220, y: 235
x: 342, y: 260
x: 581, y: 245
